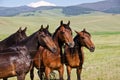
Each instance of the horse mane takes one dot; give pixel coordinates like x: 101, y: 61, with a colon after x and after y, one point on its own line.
x: 47, y: 32
x: 9, y: 39
x: 28, y: 38
x: 86, y: 32
x: 35, y: 33
x: 77, y: 44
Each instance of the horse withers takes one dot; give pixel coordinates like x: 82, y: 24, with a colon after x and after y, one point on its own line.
x: 74, y: 57
x: 17, y: 60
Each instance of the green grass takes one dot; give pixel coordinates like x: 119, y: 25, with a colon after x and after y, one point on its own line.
x: 103, y: 64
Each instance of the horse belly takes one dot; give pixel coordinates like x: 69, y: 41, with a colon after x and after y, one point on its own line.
x: 7, y: 70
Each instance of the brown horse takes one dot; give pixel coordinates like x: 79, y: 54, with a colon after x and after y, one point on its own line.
x: 17, y: 60
x: 74, y: 57
x: 13, y: 39
x: 50, y: 61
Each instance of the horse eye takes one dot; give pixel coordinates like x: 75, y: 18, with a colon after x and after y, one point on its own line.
x: 42, y: 35
x: 48, y: 34
x: 82, y: 38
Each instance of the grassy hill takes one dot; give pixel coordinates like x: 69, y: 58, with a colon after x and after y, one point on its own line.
x: 96, y: 23
x: 103, y: 64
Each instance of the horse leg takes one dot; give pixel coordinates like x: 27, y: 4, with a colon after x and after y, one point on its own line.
x: 32, y: 73
x: 68, y: 72
x: 21, y: 76
x: 4, y: 78
x: 40, y: 73
x: 79, y: 70
x: 61, y: 72
x: 47, y: 73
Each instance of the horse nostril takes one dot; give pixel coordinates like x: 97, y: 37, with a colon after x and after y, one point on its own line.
x: 92, y: 49
x: 71, y: 45
x: 54, y: 50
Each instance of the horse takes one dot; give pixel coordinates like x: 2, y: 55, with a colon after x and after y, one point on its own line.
x: 74, y: 57
x: 13, y: 39
x: 50, y: 61
x: 18, y: 59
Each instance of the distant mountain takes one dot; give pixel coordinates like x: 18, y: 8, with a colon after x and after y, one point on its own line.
x: 12, y: 11
x: 68, y: 11
x: 76, y: 10
x: 107, y: 6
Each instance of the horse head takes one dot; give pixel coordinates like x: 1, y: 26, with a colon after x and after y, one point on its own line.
x: 45, y: 39
x: 65, y: 34
x: 19, y: 35
x: 85, y: 40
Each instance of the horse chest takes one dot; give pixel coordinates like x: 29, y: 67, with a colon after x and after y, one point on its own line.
x: 52, y: 61
x: 73, y: 59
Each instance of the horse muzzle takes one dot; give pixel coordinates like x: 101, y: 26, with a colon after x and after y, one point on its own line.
x: 54, y: 50
x: 71, y: 45
x: 92, y: 49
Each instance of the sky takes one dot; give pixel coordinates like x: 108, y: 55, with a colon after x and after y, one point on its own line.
x: 14, y: 3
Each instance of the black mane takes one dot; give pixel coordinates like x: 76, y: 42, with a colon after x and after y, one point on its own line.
x: 86, y: 32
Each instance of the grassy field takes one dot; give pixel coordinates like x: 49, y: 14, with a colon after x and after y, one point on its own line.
x: 103, y: 64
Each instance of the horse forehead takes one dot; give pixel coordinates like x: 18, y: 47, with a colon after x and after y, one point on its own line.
x: 24, y: 34
x: 42, y: 32
x: 63, y: 28
x: 18, y: 35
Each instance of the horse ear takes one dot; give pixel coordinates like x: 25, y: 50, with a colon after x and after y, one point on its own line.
x: 19, y: 30
x: 25, y: 29
x: 41, y: 26
x: 77, y: 32
x: 47, y: 27
x: 61, y: 23
x: 84, y: 30
x: 68, y: 23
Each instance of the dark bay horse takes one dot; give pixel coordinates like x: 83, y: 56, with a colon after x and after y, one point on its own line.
x: 13, y: 39
x: 50, y: 61
x: 17, y: 60
x: 74, y: 57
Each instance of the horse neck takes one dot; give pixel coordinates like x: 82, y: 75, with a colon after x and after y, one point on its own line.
x: 58, y: 43
x: 76, y: 41
x: 78, y: 45
x: 79, y: 48
x: 8, y: 42
x: 30, y: 42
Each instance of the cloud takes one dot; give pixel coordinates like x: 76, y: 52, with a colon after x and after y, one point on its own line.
x: 40, y: 3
